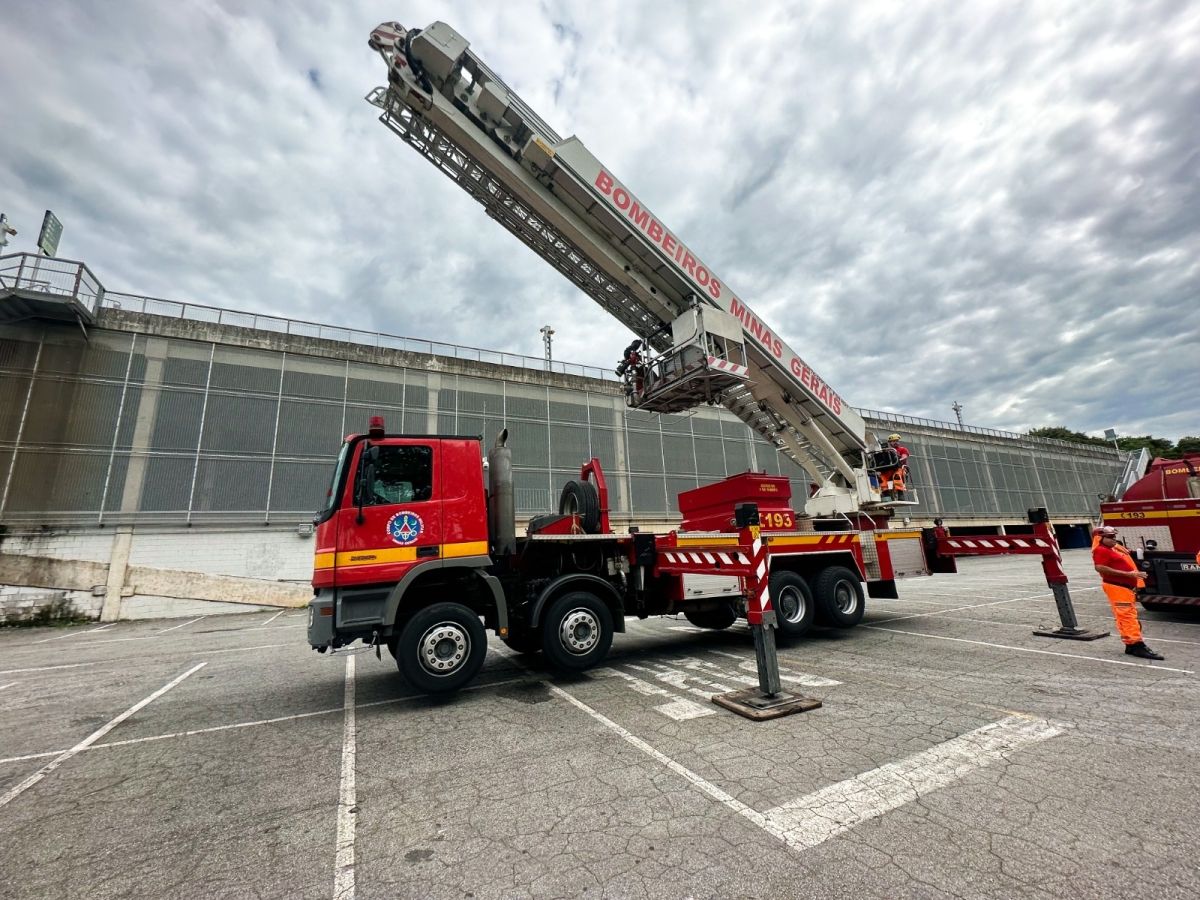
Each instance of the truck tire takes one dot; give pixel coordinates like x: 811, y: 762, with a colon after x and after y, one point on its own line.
x: 792, y: 600
x: 577, y: 630
x: 441, y: 648
x: 581, y: 498
x: 523, y: 641
x: 717, y: 619
x: 839, y: 596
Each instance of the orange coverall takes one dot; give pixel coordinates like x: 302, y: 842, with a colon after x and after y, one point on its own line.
x: 1119, y: 589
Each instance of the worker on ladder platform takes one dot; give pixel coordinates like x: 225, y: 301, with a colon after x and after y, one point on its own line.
x: 892, y: 481
x: 633, y: 363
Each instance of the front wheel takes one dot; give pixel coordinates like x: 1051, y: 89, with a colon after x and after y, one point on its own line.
x: 441, y: 648
x: 840, y: 595
x: 577, y: 631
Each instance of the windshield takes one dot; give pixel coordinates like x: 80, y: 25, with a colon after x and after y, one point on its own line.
x: 332, y: 495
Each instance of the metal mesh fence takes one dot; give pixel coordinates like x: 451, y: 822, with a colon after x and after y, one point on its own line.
x: 127, y: 427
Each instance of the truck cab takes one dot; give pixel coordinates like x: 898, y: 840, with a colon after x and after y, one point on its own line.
x: 405, y: 516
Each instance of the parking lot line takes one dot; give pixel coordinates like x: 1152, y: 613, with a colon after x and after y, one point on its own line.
x: 48, y: 668
x: 343, y: 875
x: 93, y: 737
x: 629, y: 737
x: 811, y: 820
x: 1095, y: 659
x: 75, y: 634
x: 274, y: 617
x: 974, y: 606
x: 10, y: 684
x: 181, y: 625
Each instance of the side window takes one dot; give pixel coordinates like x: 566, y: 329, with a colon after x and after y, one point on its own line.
x: 403, y: 475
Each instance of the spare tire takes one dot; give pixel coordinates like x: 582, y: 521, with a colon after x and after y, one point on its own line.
x: 580, y: 498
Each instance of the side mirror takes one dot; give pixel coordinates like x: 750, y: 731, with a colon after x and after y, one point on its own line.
x: 365, y: 486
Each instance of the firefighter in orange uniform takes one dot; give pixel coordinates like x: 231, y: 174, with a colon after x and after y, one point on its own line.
x: 1120, y: 576
x: 891, y: 481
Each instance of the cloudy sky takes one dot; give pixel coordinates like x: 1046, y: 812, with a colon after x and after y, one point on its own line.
x: 990, y: 203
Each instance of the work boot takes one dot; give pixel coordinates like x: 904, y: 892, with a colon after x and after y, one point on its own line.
x: 1141, y: 651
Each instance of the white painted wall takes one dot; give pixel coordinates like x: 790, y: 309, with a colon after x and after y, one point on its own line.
x: 267, y: 561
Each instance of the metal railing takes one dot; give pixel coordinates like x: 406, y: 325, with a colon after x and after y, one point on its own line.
x: 50, y: 275
x: 197, y: 312
x: 899, y: 419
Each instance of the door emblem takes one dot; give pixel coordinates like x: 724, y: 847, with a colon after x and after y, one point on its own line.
x: 405, y: 527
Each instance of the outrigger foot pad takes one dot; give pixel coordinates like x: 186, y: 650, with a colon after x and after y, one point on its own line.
x: 754, y: 704
x: 1072, y: 634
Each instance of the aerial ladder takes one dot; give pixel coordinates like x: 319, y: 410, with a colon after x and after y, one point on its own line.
x: 696, y: 341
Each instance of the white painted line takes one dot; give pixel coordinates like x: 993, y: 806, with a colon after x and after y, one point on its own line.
x: 683, y: 709
x: 75, y: 634
x: 181, y: 625
x: 236, y: 725
x: 678, y: 680
x: 92, y: 738
x: 812, y: 820
x: 343, y: 867
x: 1095, y: 659
x: 10, y: 684
x: 679, y: 709
x: 48, y: 668
x: 1042, y: 596
x: 274, y: 617
x: 712, y: 790
x: 240, y: 649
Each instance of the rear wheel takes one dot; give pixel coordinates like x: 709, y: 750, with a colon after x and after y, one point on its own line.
x: 577, y: 631
x: 839, y: 594
x: 792, y: 601
x: 721, y: 617
x: 441, y: 648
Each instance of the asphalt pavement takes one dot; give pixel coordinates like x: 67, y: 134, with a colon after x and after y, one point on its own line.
x: 955, y: 755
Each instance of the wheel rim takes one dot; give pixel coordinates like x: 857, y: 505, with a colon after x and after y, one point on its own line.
x: 792, y: 605
x: 845, y: 597
x: 444, y: 648
x: 579, y: 631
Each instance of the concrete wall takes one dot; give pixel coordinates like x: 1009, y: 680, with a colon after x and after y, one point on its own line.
x: 129, y: 572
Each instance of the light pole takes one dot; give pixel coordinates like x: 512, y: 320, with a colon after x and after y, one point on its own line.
x: 547, y: 335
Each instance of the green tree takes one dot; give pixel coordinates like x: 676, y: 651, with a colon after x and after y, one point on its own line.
x: 1189, y: 444
x: 1062, y: 433
x: 1156, y: 446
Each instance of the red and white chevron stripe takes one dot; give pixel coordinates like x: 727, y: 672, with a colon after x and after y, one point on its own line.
x: 701, y: 558
x: 724, y: 365
x: 756, y: 584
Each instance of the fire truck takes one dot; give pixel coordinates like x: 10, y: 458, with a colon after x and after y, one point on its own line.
x: 417, y: 548
x: 1158, y: 519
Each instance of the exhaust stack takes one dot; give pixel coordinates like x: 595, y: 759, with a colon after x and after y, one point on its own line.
x: 502, y: 513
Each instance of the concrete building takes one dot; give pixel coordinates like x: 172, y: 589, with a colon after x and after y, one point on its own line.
x: 162, y: 458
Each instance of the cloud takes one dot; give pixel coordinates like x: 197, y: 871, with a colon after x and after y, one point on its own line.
x: 994, y: 204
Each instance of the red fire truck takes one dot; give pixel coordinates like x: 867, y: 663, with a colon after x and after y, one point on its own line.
x: 415, y: 553
x: 1158, y: 518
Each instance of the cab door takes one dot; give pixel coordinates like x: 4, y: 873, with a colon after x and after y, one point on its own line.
x: 399, y: 521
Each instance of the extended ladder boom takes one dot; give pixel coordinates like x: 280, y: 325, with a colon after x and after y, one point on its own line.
x: 555, y: 196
